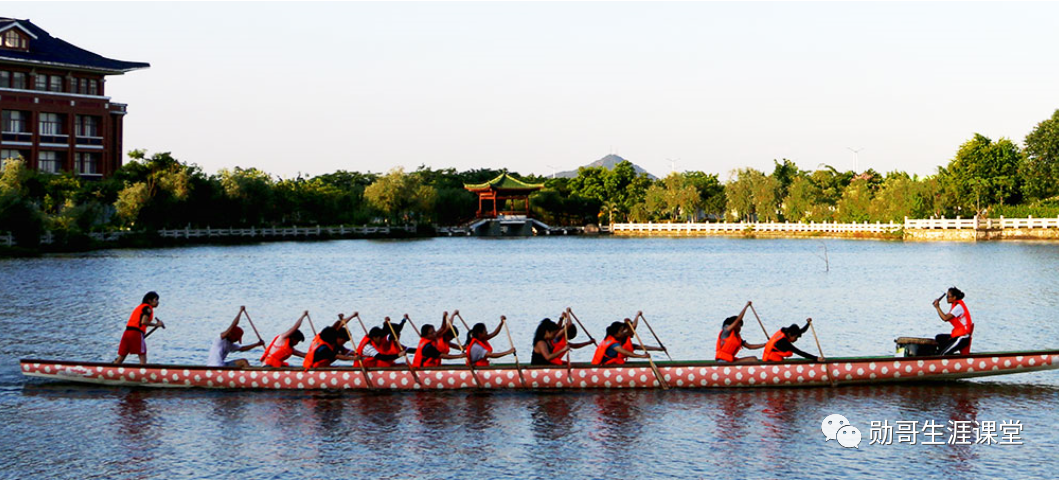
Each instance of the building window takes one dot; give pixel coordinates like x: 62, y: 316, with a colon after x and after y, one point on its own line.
x: 93, y: 87
x: 49, y: 162
x: 15, y: 121
x: 9, y: 155
x: 87, y: 163
x: 18, y: 80
x: 13, y: 39
x: 56, y: 84
x: 51, y: 124
x: 5, y: 79
x: 42, y: 82
x: 86, y: 126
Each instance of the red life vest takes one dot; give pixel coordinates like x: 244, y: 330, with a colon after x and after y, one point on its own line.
x: 137, y: 314
x: 309, y: 361
x: 442, y: 345
x: 600, y: 358
x: 484, y: 361
x: 558, y: 343
x: 277, y: 357
x: 728, y: 347
x: 419, y: 361
x: 771, y: 354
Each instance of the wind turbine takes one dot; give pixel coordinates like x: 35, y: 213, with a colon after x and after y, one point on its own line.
x: 856, y: 154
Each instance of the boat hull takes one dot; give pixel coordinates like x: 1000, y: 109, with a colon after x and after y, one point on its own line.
x: 836, y: 372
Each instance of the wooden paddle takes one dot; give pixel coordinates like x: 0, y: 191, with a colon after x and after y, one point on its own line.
x: 827, y: 369
x: 407, y: 362
x: 360, y: 362
x: 658, y: 375
x: 310, y: 322
x: 456, y: 337
x: 244, y: 312
x: 583, y: 329
x: 503, y: 321
x: 659, y: 340
x: 767, y: 336
x: 569, y: 351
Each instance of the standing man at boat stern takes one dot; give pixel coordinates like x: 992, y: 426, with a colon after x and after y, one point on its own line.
x: 134, y: 338
x: 228, y: 342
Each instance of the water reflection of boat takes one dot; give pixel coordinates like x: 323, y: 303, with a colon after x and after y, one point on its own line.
x: 700, y: 374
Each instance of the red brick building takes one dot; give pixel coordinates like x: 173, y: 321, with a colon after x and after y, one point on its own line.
x: 56, y: 114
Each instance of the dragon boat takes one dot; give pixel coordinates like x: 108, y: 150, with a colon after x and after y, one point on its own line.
x: 674, y: 374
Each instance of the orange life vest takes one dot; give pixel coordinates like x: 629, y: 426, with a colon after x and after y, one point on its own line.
x: 961, y: 325
x: 442, y: 345
x: 484, y: 361
x: 728, y: 347
x: 557, y: 344
x: 600, y: 358
x: 419, y: 361
x: 277, y: 357
x: 309, y: 361
x: 372, y: 361
x: 137, y: 314
x: 771, y: 354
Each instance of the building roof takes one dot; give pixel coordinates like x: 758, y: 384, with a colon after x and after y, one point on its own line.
x: 504, y: 182
x: 47, y: 50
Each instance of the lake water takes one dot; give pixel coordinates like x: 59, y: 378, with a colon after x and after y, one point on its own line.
x: 869, y: 292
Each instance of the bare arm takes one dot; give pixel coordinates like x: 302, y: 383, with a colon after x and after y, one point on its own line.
x: 259, y: 343
x: 630, y: 354
x: 296, y: 326
x: 235, y: 322
x: 944, y: 316
x: 497, y: 331
x: 579, y: 345
x: 753, y: 346
x: 500, y: 354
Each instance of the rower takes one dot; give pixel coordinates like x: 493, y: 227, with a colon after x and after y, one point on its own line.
x: 544, y: 352
x: 959, y: 339
x: 445, y: 341
x: 134, y: 338
x: 560, y: 339
x: 478, y: 349
x: 325, y: 349
x: 617, y: 346
x: 781, y: 344
x: 729, y: 341
x: 428, y: 354
x: 376, y: 350
x: 228, y: 342
x: 282, y: 347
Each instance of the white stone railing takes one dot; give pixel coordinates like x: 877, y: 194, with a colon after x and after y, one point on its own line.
x: 252, y: 232
x: 979, y: 223
x: 724, y: 227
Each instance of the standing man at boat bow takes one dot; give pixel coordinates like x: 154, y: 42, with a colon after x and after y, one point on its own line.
x: 134, y: 338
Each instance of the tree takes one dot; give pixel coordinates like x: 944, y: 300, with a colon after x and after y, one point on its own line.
x: 983, y: 173
x: 740, y: 193
x: 710, y: 191
x: 855, y: 202
x: 400, y: 196
x: 802, y: 196
x: 1040, y: 166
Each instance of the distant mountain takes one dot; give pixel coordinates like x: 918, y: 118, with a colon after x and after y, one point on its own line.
x: 609, y: 162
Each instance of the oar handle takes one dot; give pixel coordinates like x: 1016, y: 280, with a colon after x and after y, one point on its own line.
x: 459, y: 345
x: 659, y: 340
x: 503, y: 321
x: 397, y: 338
x: 590, y: 337
x: 759, y: 322
x: 654, y: 368
x: 248, y: 319
x: 827, y: 369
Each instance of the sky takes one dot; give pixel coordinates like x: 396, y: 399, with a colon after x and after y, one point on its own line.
x: 311, y: 88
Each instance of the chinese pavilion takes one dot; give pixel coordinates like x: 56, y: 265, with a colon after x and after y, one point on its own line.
x: 493, y: 195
